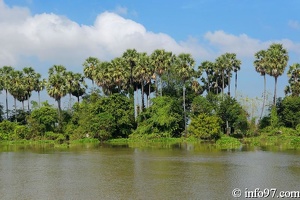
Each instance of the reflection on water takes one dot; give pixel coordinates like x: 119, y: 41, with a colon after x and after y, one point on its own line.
x: 177, y: 171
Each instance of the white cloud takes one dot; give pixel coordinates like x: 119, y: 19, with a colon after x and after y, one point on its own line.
x: 243, y: 45
x: 56, y: 39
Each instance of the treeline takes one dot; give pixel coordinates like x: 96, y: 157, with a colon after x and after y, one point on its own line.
x: 141, y: 95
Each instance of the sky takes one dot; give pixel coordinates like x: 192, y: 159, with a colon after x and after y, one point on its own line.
x: 41, y: 33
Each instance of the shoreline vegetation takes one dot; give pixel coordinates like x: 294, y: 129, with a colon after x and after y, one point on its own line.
x: 140, y: 99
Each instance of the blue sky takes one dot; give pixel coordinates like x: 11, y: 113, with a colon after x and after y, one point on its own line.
x: 42, y: 33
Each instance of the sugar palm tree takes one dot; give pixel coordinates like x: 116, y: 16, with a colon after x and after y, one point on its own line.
x: 39, y: 86
x: 143, y: 74
x: 184, y: 65
x: 29, y: 77
x: 5, y: 73
x: 260, y: 66
x: 208, y: 68
x: 57, y: 84
x: 79, y: 86
x: 221, y: 68
x: 294, y: 80
x: 277, y: 58
x: 161, y: 60
x: 90, y: 65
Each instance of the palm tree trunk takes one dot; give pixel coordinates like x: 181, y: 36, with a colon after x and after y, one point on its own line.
x: 78, y: 98
x: 228, y: 84
x: 23, y: 107
x: 28, y: 105
x: 143, y: 100
x: 264, y: 98
x: 223, y: 84
x: 275, y: 89
x: 184, y: 112
x: 160, y: 85
x: 15, y: 100
x: 148, y: 98
x: 39, y: 99
x: 235, y: 85
x: 6, y: 105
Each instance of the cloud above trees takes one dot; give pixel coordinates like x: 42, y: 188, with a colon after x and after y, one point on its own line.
x: 55, y: 39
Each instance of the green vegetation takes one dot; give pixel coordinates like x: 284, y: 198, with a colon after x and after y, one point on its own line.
x: 158, y: 97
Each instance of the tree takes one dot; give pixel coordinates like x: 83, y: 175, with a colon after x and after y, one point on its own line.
x: 208, y: 68
x: 79, y: 86
x: 277, y: 58
x: 90, y: 65
x: 184, y: 66
x: 205, y: 126
x: 162, y: 119
x: 57, y: 84
x: 6, y: 80
x: 39, y: 86
x: 260, y: 65
x: 30, y: 77
x: 294, y: 80
x: 161, y: 60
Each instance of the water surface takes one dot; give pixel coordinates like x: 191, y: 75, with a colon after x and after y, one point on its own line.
x: 182, y: 171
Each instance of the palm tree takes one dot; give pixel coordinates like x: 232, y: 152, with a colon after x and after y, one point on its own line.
x: 57, y: 84
x: 236, y: 65
x: 260, y: 66
x: 161, y: 60
x: 277, y: 58
x: 294, y: 80
x: 184, y: 65
x: 208, y: 68
x: 30, y: 76
x: 221, y: 68
x: 39, y: 86
x: 18, y: 88
x: 79, y: 86
x: 143, y: 74
x: 5, y: 73
x: 89, y: 70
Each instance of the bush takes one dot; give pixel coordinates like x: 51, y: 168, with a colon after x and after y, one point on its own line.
x: 227, y: 142
x: 205, y: 127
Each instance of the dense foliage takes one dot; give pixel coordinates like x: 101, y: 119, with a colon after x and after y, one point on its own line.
x: 141, y: 95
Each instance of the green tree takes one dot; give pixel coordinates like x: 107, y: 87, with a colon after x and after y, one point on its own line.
x: 277, y: 58
x: 184, y: 66
x: 162, y: 119
x: 294, y: 80
x: 289, y: 111
x: 57, y: 85
x: 5, y: 73
x: 90, y: 65
x: 205, y: 126
x: 260, y: 65
x: 161, y: 60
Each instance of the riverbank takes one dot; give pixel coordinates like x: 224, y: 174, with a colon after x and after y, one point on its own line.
x: 225, y: 142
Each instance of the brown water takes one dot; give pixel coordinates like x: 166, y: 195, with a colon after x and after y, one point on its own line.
x: 182, y: 171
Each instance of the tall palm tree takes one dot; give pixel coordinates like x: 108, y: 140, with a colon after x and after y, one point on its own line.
x: 261, y: 67
x: 5, y: 73
x: 294, y: 80
x: 57, y: 84
x: 143, y: 74
x: 236, y: 65
x: 208, y: 68
x: 184, y: 65
x: 161, y: 60
x: 277, y: 59
x: 79, y: 86
x: 90, y: 65
x: 222, y: 67
x: 39, y: 86
x: 18, y: 88
x: 30, y: 76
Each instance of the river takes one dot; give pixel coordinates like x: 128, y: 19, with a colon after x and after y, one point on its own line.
x: 180, y: 171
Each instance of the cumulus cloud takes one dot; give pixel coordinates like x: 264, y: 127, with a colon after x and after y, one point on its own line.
x: 243, y: 45
x: 52, y: 38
